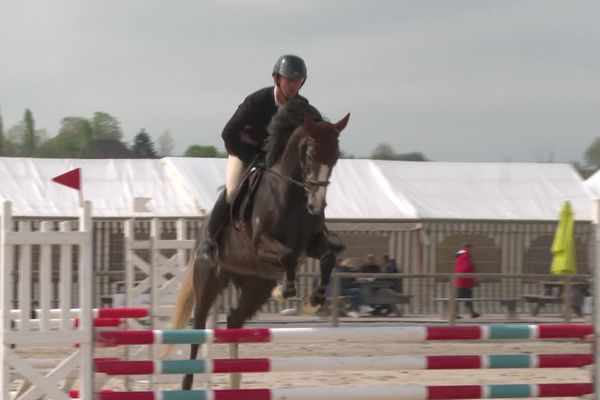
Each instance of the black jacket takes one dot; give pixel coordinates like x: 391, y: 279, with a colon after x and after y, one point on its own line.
x: 245, y: 132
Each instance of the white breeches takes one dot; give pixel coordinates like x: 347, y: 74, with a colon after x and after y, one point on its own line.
x: 235, y: 169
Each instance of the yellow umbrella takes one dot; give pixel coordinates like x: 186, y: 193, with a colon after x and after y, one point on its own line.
x: 563, y: 246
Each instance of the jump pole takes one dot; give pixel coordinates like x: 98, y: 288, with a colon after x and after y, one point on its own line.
x: 131, y: 312
x: 362, y: 334
x: 379, y: 363
x: 371, y: 393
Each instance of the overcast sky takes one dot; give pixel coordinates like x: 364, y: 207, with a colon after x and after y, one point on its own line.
x: 460, y: 80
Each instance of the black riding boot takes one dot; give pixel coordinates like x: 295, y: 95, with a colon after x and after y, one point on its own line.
x: 334, y: 244
x: 218, y: 217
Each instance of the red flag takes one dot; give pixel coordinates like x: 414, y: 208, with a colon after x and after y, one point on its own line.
x: 71, y: 179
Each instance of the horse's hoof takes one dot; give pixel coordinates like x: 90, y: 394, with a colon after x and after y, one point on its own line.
x: 277, y: 294
x: 307, y: 308
x: 317, y: 299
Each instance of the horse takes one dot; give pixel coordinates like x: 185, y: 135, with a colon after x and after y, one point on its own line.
x: 286, y: 223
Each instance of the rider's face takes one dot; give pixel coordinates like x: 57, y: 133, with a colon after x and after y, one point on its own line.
x: 290, y: 87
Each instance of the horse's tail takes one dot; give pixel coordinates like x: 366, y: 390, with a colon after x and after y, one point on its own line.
x: 185, y: 299
x: 184, y: 303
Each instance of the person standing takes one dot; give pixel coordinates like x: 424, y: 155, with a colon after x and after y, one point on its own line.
x: 390, y: 267
x: 463, y: 264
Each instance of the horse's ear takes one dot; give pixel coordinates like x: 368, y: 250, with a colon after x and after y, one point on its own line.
x: 341, y: 124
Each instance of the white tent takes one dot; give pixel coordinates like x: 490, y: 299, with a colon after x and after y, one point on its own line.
x: 593, y: 184
x: 359, y: 190
x: 110, y: 184
x: 488, y: 191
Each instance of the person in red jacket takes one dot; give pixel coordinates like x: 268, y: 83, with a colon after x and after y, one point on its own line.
x: 463, y: 264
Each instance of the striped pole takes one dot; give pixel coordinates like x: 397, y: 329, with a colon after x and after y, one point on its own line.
x: 98, y: 322
x: 363, y: 334
x: 361, y: 393
x: 102, y: 322
x: 381, y: 363
x: 131, y: 312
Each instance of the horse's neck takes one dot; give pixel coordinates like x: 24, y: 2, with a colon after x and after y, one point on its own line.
x: 289, y: 162
x: 285, y: 196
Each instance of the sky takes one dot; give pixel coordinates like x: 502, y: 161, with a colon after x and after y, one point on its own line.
x: 460, y: 80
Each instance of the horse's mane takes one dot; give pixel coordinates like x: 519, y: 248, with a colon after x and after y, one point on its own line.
x: 283, y: 124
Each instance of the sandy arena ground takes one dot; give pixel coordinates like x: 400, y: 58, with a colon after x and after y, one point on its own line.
x: 373, y: 378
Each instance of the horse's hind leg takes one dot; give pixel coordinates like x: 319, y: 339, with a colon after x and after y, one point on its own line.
x: 327, y: 252
x: 326, y: 264
x: 254, y: 292
x: 290, y: 262
x: 207, y: 285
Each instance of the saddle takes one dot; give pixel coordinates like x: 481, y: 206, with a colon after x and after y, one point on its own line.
x: 241, y: 207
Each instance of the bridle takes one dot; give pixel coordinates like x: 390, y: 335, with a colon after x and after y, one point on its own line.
x: 305, y: 183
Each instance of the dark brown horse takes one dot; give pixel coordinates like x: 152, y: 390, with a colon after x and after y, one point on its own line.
x: 286, y: 223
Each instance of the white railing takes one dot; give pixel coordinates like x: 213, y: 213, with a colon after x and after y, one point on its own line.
x: 20, y: 249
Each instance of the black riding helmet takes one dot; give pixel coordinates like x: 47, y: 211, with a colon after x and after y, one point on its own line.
x: 290, y: 66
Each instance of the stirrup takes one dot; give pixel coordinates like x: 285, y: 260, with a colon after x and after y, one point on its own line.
x: 336, y: 246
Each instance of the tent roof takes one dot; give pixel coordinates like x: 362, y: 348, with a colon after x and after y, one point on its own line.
x: 360, y: 189
x: 489, y: 191
x: 111, y: 185
x: 593, y: 184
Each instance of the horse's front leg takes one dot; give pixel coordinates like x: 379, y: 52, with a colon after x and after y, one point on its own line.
x: 326, y: 251
x: 273, y: 251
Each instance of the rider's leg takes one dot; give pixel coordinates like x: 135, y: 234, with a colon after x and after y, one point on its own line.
x: 220, y: 212
x: 235, y: 170
x: 217, y: 219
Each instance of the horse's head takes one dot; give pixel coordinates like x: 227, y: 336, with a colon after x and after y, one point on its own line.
x: 320, y: 153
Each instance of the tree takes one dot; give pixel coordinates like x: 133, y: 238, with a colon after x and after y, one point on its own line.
x: 592, y: 155
x: 105, y: 126
x: 384, y: 151
x: 412, y: 156
x: 29, y: 139
x: 143, y: 146
x: 202, y: 151
x: 72, y: 124
x: 344, y: 154
x: 12, y: 139
x: 165, y: 144
x: 74, y: 140
x: 584, y: 172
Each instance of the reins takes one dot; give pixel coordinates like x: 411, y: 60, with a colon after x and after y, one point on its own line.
x: 303, y: 184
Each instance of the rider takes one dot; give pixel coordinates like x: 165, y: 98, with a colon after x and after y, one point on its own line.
x: 244, y: 136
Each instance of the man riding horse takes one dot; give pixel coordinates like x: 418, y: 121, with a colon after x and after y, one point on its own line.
x: 280, y: 216
x: 244, y: 136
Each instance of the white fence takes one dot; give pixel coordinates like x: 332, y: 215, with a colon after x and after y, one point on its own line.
x: 70, y: 243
